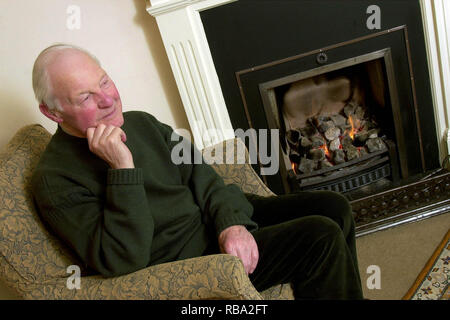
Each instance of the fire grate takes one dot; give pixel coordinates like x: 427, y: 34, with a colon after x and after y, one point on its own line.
x: 357, y: 181
x: 350, y: 175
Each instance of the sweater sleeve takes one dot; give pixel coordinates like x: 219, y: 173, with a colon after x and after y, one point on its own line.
x: 112, y: 235
x: 222, y: 205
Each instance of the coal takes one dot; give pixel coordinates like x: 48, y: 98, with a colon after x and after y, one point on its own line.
x: 375, y: 144
x: 338, y: 120
x: 307, y: 165
x: 373, y: 133
x: 305, y: 143
x: 362, y: 151
x: 339, y: 156
x: 294, y: 156
x: 345, y: 127
x: 320, y: 119
x: 361, y: 138
x: 350, y: 108
x: 359, y: 112
x: 325, y: 126
x: 293, y: 137
x: 317, y: 141
x: 332, y: 133
x: 335, y: 144
x: 308, y: 130
x: 351, y: 152
x: 316, y: 154
x: 323, y: 164
x: 368, y: 125
x: 347, y: 141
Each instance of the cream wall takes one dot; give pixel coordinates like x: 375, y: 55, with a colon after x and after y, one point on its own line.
x: 120, y: 33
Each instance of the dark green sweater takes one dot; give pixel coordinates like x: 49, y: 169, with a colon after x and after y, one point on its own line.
x: 120, y: 221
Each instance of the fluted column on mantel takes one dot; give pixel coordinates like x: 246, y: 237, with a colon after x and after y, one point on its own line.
x: 188, y: 51
x: 436, y: 18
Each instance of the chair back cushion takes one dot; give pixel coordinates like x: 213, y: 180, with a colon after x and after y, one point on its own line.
x: 230, y: 159
x: 29, y: 253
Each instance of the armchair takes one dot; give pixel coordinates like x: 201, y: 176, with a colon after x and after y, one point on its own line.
x: 33, y: 262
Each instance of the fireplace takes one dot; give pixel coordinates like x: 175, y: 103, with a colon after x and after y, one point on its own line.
x: 235, y: 61
x: 339, y: 124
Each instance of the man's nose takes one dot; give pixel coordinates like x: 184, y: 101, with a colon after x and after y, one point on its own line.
x: 104, y: 100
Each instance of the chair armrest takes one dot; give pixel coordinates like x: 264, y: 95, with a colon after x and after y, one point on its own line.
x: 219, y: 276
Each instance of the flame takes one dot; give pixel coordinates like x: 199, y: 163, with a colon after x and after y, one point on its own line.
x: 327, y: 152
x: 352, y: 131
x: 294, y: 167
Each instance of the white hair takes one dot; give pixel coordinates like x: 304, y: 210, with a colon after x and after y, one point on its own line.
x: 42, y: 86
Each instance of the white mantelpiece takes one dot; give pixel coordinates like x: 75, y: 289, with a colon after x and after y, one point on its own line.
x: 190, y: 58
x: 436, y: 17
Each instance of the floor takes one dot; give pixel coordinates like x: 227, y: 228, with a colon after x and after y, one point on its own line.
x: 400, y: 253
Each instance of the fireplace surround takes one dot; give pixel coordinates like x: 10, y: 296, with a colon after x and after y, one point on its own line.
x: 210, y: 87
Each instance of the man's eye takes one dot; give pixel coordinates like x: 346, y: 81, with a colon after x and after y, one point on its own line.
x: 84, y: 98
x: 105, y: 83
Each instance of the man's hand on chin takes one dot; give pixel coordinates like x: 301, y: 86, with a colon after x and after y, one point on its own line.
x: 107, y: 142
x: 239, y: 242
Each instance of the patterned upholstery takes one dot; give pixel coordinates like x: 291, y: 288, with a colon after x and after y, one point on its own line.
x: 33, y: 262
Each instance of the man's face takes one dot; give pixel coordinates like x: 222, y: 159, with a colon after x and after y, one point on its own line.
x: 87, y: 95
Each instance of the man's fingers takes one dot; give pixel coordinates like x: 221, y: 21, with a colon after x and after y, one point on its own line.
x: 245, y: 258
x: 90, y: 134
x: 117, y: 133
x: 255, y: 259
x: 246, y: 261
x: 108, y: 131
x: 249, y: 258
x: 96, y: 135
x: 252, y: 258
x: 101, y: 134
x: 106, y: 135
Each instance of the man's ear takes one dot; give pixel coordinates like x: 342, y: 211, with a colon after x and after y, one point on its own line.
x: 51, y: 114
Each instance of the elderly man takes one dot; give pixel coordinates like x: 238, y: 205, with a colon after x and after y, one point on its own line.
x: 106, y: 185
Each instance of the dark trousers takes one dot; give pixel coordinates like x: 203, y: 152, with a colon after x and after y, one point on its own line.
x: 307, y: 239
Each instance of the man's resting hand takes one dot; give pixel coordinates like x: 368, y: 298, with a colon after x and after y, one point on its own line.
x: 107, y: 142
x: 237, y: 241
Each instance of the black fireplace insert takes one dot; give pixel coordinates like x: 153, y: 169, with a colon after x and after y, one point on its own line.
x: 352, y: 104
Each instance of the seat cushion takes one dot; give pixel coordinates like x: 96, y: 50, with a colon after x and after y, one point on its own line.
x: 230, y: 159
